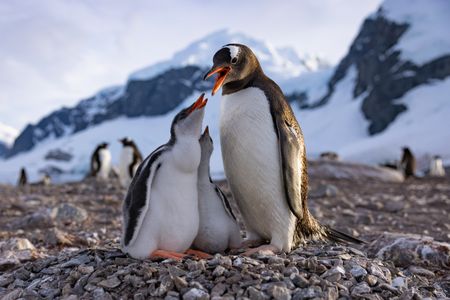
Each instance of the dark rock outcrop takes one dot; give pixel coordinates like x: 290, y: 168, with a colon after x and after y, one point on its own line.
x: 151, y: 97
x: 3, y: 149
x: 382, y: 74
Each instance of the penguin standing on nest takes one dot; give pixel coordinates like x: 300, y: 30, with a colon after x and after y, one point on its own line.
x: 160, y: 211
x: 264, y: 155
x: 218, y: 228
x: 101, y: 162
x: 130, y: 159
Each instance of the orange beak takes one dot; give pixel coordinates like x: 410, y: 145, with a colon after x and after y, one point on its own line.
x: 199, y: 104
x: 206, y: 130
x: 222, y: 74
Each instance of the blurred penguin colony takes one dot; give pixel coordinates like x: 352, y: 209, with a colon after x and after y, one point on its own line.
x: 101, y: 167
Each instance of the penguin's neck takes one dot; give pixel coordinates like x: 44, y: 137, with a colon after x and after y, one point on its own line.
x: 203, y: 170
x: 186, y: 152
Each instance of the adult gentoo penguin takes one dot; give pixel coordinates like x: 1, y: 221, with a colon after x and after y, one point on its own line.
x: 101, y: 162
x: 408, y: 163
x: 218, y: 228
x: 160, y: 211
x: 130, y: 159
x: 264, y: 154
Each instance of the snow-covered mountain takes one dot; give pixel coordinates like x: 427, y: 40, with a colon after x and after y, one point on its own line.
x: 158, y: 89
x: 7, y: 136
x: 279, y: 63
x: 390, y: 90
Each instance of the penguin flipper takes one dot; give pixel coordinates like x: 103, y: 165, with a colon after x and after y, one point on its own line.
x: 136, y: 202
x: 225, y: 202
x: 293, y: 164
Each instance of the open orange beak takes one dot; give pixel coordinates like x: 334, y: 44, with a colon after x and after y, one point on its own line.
x: 222, y: 74
x: 199, y: 104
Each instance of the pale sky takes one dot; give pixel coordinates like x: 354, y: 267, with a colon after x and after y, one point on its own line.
x: 56, y: 52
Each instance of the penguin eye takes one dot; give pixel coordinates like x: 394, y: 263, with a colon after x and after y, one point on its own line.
x: 234, y: 60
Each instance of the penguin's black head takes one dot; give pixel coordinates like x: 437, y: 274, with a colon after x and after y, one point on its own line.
x: 233, y: 63
x: 126, y: 141
x: 206, y: 143
x: 103, y: 146
x: 188, y: 122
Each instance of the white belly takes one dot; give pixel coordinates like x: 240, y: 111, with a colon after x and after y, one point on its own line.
x: 105, y: 164
x: 126, y: 157
x: 252, y: 166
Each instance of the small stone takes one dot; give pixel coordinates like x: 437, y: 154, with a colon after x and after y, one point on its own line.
x: 86, y: 269
x: 6, y: 279
x: 68, y: 213
x: 180, y: 283
x: 307, y: 293
x: 196, y: 265
x: 399, y: 282
x: 219, y: 289
x: 421, y: 271
x: 76, y: 261
x: 361, y: 288
x: 13, y: 295
x: 358, y: 272
x: 371, y: 280
x: 110, y: 283
x: 218, y: 271
x: 195, y: 294
x: 376, y: 271
x: 299, y: 281
x: 255, y: 294
x: 281, y: 293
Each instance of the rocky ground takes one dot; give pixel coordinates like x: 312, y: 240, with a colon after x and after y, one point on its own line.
x: 61, y: 241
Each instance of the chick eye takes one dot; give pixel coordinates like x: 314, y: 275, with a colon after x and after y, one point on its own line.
x: 234, y: 60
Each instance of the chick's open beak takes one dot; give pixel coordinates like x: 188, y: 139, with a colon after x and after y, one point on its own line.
x: 222, y: 74
x: 199, y: 104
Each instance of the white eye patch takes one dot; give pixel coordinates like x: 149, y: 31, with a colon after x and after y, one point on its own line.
x: 234, y: 51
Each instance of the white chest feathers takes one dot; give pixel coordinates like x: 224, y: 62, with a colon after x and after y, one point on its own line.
x: 252, y: 165
x: 105, y: 164
x: 126, y: 158
x: 437, y: 168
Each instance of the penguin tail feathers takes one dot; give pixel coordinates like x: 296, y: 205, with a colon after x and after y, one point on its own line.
x: 340, y: 237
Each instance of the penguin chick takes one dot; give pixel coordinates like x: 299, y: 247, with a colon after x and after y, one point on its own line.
x: 130, y: 158
x: 160, y: 211
x: 218, y: 228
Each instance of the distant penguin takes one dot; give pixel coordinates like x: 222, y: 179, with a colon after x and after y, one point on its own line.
x: 264, y: 155
x: 218, y: 229
x: 130, y: 159
x: 23, y: 178
x: 101, y: 162
x: 160, y: 211
x: 408, y: 163
x: 45, y: 181
x: 437, y: 167
x: 330, y: 156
